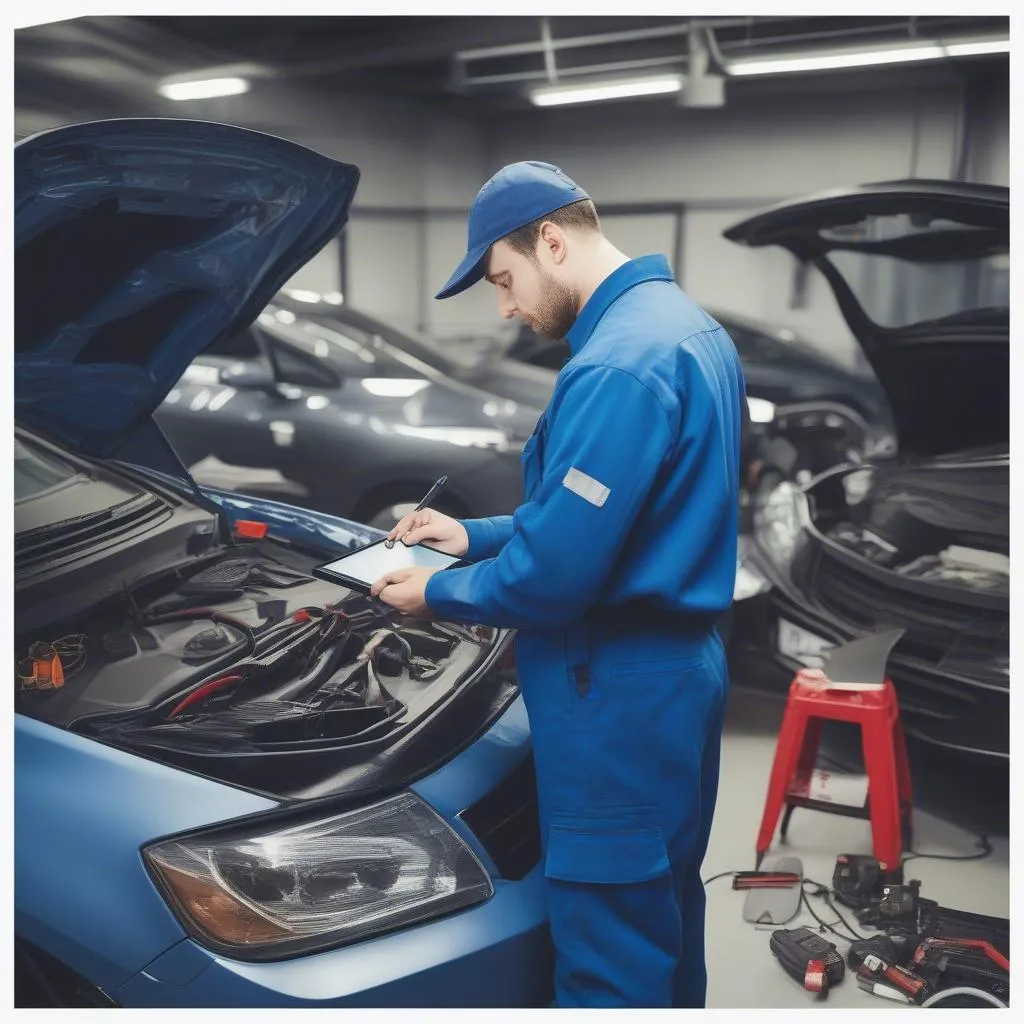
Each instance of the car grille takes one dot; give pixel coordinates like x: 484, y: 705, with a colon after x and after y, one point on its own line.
x: 41, y: 980
x: 506, y: 822
x: 932, y: 624
x: 53, y: 545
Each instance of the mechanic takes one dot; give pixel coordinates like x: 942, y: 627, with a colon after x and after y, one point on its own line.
x: 614, y: 571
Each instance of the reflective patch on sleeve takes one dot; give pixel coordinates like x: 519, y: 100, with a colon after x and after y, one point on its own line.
x: 586, y: 487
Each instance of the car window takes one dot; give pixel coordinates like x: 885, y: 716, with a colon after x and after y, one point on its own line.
x: 238, y: 346
x: 906, y: 270
x: 294, y: 367
x: 897, y: 293
x: 384, y: 340
x: 349, y: 351
x: 37, y: 471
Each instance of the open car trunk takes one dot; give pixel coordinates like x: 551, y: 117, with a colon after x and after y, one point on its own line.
x: 924, y: 547
x: 920, y: 270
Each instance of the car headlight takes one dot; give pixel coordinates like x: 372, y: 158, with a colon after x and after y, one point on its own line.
x: 266, y: 893
x: 779, y: 519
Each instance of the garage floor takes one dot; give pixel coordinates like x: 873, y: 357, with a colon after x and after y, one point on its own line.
x: 954, y: 803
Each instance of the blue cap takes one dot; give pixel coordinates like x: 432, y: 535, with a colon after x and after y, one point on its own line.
x: 516, y: 196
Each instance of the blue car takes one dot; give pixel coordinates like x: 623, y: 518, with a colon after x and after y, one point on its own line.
x: 236, y: 784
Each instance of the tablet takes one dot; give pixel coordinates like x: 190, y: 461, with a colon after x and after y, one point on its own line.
x: 362, y: 568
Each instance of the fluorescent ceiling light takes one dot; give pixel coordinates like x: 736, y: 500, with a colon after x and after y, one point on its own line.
x: 589, y: 92
x: 864, y: 58
x: 204, y: 89
x: 977, y: 49
x: 301, y: 295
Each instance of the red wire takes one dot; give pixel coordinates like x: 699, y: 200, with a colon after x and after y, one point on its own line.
x: 204, y: 691
x: 986, y: 947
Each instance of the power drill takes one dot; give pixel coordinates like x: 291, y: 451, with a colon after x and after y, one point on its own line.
x: 807, y: 958
x: 859, y: 881
x: 901, y: 906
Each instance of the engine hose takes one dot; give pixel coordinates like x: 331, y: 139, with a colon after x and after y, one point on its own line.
x: 378, y: 729
x: 977, y: 993
x: 184, y: 614
x: 248, y: 666
x: 204, y: 691
x: 228, y: 660
x: 322, y: 670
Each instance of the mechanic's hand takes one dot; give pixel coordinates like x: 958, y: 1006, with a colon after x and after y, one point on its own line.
x: 433, y: 528
x: 404, y: 589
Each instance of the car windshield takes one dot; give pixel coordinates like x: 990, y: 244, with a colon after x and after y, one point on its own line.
x: 36, y: 472
x: 905, y: 271
x: 357, y: 349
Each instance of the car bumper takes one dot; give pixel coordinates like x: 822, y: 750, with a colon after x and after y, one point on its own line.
x: 495, y: 954
x: 953, y: 711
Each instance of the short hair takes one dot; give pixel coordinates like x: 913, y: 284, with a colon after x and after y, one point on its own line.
x: 579, y: 216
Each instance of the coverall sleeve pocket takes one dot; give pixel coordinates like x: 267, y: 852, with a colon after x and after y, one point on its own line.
x: 594, y: 854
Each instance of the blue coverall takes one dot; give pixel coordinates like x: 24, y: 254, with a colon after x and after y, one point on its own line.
x: 614, y: 570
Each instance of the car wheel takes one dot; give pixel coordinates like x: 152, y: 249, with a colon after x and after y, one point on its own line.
x: 388, y: 516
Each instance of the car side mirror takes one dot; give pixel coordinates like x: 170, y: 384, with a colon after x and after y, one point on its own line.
x: 248, y: 377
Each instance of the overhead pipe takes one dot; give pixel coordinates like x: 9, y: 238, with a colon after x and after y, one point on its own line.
x: 669, y: 63
x: 599, y: 39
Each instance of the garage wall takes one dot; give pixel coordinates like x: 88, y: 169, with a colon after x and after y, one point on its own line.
x: 382, y: 267
x: 322, y: 273
x: 422, y: 165
x: 415, y: 158
x: 989, y: 139
x: 639, y: 233
x: 728, y: 162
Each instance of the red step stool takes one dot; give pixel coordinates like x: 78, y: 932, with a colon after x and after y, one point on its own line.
x: 877, y: 712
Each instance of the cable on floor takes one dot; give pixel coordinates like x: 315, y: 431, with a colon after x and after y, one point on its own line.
x: 980, y: 841
x: 724, y: 874
x: 826, y: 892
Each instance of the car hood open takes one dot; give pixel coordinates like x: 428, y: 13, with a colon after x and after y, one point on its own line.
x: 138, y: 244
x: 935, y: 361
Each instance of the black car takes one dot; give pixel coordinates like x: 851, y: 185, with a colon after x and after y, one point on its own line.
x: 919, y: 542
x: 330, y: 409
x: 811, y: 410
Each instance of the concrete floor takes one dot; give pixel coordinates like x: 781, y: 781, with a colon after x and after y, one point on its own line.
x: 954, y: 803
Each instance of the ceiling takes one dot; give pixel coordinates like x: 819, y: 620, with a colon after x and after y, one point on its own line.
x: 109, y: 66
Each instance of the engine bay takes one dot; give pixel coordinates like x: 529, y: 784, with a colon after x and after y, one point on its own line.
x: 246, y: 653
x: 931, y: 523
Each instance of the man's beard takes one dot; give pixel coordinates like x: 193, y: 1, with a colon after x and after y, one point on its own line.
x: 557, y: 310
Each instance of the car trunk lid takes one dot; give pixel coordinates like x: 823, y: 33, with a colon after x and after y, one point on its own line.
x: 920, y: 270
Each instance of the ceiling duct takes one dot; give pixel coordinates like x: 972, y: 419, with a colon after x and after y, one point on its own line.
x: 703, y: 87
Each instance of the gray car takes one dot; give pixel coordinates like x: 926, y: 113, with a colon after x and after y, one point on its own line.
x: 330, y: 409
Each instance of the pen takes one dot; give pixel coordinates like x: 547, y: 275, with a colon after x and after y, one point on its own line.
x: 427, y: 499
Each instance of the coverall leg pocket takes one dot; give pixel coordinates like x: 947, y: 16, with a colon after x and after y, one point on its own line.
x: 614, y: 919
